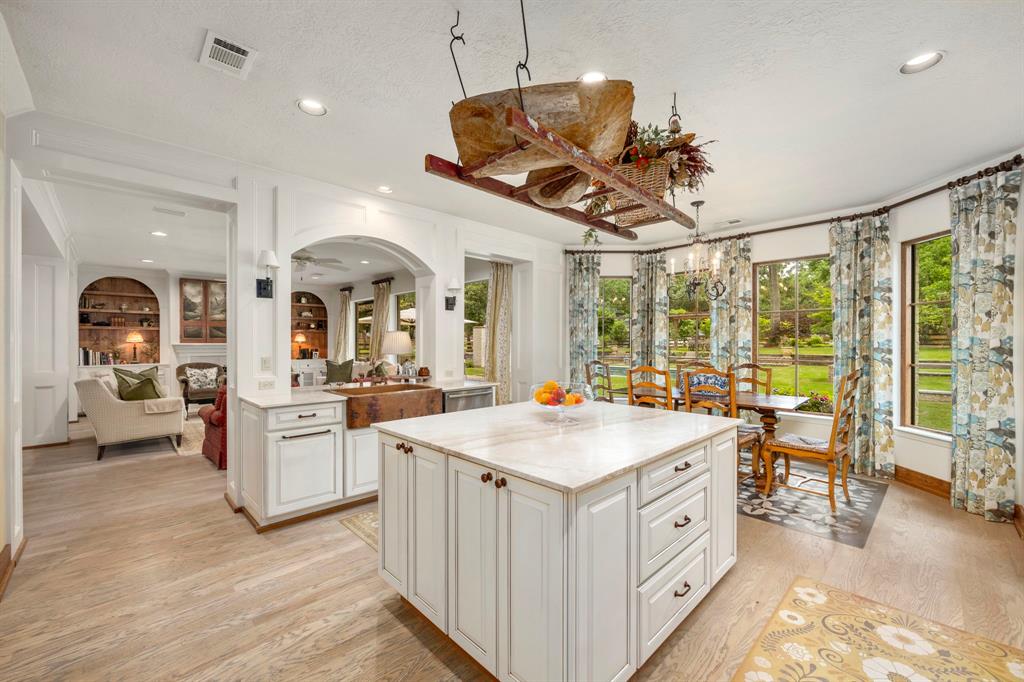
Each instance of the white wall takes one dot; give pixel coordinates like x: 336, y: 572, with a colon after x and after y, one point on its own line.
x: 915, y: 449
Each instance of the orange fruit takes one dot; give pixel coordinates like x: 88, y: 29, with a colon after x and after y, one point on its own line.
x: 550, y: 385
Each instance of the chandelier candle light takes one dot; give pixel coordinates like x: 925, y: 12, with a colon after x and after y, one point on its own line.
x: 705, y: 263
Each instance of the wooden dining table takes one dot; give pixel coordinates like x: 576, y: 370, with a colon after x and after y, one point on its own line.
x: 768, y: 406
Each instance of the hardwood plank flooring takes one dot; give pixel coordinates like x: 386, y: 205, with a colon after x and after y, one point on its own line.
x: 136, y: 569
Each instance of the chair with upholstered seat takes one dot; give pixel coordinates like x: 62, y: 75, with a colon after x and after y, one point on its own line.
x: 194, y: 395
x: 818, y: 450
x: 688, y: 364
x: 708, y: 389
x: 647, y: 392
x: 122, y: 421
x: 600, y: 380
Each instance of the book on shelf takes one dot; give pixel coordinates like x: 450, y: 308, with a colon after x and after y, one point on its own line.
x: 88, y: 357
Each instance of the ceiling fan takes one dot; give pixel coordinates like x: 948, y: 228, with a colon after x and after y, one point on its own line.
x: 303, y: 259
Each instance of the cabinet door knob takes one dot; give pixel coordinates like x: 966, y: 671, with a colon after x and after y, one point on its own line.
x: 685, y: 523
x: 500, y: 483
x: 685, y: 466
x: 686, y: 589
x: 486, y: 477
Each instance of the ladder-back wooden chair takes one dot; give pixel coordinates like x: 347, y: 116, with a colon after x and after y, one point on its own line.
x: 688, y: 364
x: 600, y: 380
x: 650, y: 392
x: 818, y: 450
x: 753, y: 377
x: 709, y: 389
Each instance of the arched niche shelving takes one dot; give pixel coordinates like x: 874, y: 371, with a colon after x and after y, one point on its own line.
x: 118, y: 323
x: 308, y: 326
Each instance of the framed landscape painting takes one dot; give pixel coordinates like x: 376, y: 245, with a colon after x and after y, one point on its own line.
x: 204, y: 311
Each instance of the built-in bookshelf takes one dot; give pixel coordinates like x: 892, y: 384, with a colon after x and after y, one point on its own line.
x: 109, y: 310
x: 309, y: 318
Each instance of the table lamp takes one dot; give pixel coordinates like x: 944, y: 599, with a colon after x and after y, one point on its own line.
x: 300, y: 339
x: 135, y: 338
x: 397, y: 343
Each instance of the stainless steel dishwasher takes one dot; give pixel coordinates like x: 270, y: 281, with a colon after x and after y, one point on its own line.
x: 469, y: 398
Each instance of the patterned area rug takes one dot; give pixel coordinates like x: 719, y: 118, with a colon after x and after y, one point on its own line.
x: 823, y: 633
x: 850, y: 525
x: 364, y: 525
x: 192, y: 437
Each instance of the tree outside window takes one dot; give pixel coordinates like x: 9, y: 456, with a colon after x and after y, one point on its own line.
x: 364, y: 316
x: 927, y: 375
x: 475, y: 310
x: 613, y: 314
x: 689, y: 322
x: 407, y: 321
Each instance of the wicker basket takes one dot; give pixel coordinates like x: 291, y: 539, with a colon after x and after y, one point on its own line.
x: 654, y: 179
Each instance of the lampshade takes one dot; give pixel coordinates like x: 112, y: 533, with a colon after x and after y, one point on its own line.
x: 396, y: 343
x: 267, y: 259
x: 134, y: 337
x: 300, y: 338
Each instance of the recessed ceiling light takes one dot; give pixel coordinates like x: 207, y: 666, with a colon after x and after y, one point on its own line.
x: 316, y: 276
x: 384, y: 189
x: 365, y: 262
x: 311, y: 107
x: 593, y: 77
x: 158, y: 233
x: 921, y: 62
x: 146, y: 260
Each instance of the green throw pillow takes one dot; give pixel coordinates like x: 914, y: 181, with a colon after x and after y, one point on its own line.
x: 147, y: 389
x: 339, y: 373
x: 126, y: 379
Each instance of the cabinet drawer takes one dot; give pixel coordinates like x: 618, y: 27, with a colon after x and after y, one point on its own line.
x: 672, y: 471
x: 305, y: 415
x: 670, y: 524
x: 669, y: 596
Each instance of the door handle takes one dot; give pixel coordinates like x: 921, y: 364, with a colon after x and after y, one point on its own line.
x: 307, y: 416
x: 686, y: 465
x: 685, y: 523
x: 486, y: 477
x: 500, y: 483
x: 685, y: 591
x: 306, y: 435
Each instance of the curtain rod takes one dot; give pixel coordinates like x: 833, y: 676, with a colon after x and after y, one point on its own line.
x: 1008, y: 164
x: 348, y: 289
x: 382, y: 280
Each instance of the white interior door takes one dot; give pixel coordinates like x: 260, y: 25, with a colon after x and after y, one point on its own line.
x: 44, y: 332
x: 12, y: 390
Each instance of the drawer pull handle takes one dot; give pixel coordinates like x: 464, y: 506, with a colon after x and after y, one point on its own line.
x: 685, y: 523
x: 686, y: 590
x: 306, y: 435
x: 685, y: 466
x: 307, y: 416
x: 486, y: 477
x: 500, y: 483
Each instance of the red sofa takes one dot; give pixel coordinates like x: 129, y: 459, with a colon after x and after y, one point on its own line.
x: 215, y: 445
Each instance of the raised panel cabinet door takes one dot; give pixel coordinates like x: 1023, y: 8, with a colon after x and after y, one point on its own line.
x: 427, y: 533
x: 723, y: 504
x: 394, y: 516
x: 303, y: 469
x: 531, y: 588
x: 604, y: 630
x: 360, y: 462
x: 472, y: 560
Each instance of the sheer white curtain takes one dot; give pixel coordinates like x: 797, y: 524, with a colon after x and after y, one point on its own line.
x: 341, y: 349
x: 498, y: 364
x: 379, y: 325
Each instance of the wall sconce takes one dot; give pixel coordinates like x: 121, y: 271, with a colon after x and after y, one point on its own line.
x: 453, y: 289
x: 265, y: 287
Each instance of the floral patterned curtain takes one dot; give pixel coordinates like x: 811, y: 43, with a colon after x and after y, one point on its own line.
x: 984, y: 232
x: 341, y: 349
x: 584, y: 298
x: 648, y: 329
x: 379, y: 323
x: 862, y: 325
x: 732, y: 313
x: 498, y: 361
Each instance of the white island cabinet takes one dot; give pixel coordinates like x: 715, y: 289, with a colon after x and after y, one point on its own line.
x: 557, y: 551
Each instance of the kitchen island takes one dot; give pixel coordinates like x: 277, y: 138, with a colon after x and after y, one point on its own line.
x: 554, y: 551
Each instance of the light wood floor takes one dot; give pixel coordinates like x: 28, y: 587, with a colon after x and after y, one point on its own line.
x: 136, y: 570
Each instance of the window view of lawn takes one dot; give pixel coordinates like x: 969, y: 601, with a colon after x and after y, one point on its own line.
x: 927, y: 397
x: 475, y: 305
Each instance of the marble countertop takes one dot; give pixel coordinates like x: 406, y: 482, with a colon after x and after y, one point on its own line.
x: 303, y: 397
x: 449, y: 385
x: 524, y: 440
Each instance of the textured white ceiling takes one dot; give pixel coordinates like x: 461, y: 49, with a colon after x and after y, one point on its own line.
x: 109, y: 228
x: 804, y: 98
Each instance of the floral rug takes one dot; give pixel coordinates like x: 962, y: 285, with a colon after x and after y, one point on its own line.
x: 850, y: 525
x: 822, y: 633
x: 364, y: 525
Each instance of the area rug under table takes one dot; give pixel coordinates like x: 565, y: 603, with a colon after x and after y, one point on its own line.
x: 851, y: 523
x: 364, y: 525
x: 821, y: 633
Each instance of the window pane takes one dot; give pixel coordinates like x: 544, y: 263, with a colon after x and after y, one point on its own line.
x: 784, y: 378
x: 776, y: 284
x: 815, y: 282
x: 932, y: 269
x: 933, y: 399
x: 407, y: 319
x: 475, y: 310
x: 613, y: 327
x: 364, y: 317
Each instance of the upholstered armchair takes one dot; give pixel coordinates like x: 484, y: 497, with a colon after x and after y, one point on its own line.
x: 215, y: 420
x: 122, y: 421
x: 202, y: 396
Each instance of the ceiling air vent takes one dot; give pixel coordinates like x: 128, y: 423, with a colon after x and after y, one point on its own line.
x: 729, y: 223
x: 226, y: 56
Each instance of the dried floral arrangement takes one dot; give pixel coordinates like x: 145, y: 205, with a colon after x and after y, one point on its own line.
x: 687, y: 159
